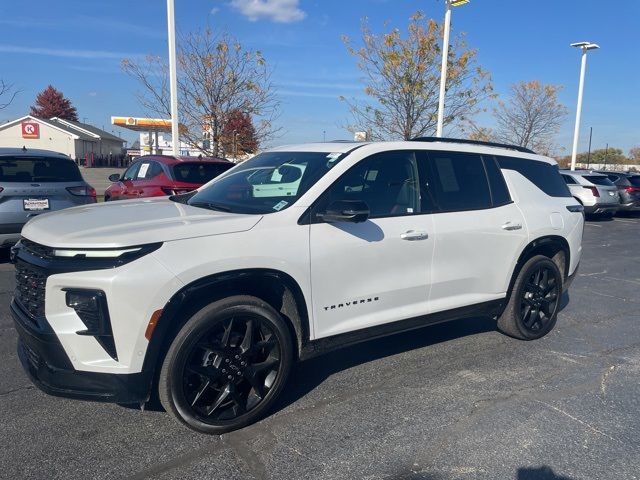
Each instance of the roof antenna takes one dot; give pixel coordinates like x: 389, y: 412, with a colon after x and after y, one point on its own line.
x: 24, y: 148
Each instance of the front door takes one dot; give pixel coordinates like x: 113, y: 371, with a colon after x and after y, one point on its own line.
x: 375, y: 272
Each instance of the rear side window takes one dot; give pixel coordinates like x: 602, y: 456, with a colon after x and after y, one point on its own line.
x: 458, y: 181
x: 194, y: 172
x: 599, y: 180
x: 38, y: 169
x: 499, y: 191
x: 569, y: 180
x: 543, y: 175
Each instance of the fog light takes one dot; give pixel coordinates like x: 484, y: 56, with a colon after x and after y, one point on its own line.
x: 91, y: 307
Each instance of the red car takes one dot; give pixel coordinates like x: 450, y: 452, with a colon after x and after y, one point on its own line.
x: 160, y: 175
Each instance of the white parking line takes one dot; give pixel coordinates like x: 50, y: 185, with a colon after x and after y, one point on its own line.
x: 625, y: 221
x: 593, y: 225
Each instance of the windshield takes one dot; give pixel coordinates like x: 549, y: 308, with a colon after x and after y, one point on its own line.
x: 38, y: 169
x: 198, y: 172
x: 267, y: 183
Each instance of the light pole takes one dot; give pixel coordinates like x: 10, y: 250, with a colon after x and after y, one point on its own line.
x: 445, y: 59
x: 585, y: 47
x: 173, y: 77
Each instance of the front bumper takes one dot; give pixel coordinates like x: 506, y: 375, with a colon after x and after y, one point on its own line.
x: 49, y: 368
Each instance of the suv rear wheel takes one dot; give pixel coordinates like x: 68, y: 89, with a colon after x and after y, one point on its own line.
x: 226, y: 366
x: 533, y: 306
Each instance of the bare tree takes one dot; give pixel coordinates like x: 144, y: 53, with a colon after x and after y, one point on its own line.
x: 7, y: 94
x: 402, y: 77
x: 531, y: 117
x: 217, y: 78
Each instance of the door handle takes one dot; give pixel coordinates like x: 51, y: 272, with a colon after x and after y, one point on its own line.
x: 412, y: 235
x: 512, y: 226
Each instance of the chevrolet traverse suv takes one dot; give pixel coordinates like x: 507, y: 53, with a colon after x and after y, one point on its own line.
x: 207, y: 299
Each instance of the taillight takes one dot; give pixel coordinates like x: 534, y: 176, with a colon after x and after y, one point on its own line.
x: 594, y: 190
x: 626, y: 189
x: 82, y: 191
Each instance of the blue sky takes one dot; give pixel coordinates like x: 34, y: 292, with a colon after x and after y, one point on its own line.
x: 76, y: 45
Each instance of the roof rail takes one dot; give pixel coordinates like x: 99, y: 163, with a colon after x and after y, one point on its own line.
x: 473, y: 142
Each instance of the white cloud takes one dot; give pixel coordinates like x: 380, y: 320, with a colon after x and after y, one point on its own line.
x: 214, y: 10
x: 281, y: 11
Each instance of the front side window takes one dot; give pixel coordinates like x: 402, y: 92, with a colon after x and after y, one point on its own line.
x: 131, y: 172
x: 267, y: 183
x: 387, y: 182
x: 458, y: 181
x: 38, y: 169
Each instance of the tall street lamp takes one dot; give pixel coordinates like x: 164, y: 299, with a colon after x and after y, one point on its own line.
x: 445, y: 59
x: 173, y: 77
x: 585, y: 47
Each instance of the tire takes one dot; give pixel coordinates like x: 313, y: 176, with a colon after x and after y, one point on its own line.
x: 532, y: 296
x: 220, y: 374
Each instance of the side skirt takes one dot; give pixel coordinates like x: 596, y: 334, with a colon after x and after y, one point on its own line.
x: 324, y: 345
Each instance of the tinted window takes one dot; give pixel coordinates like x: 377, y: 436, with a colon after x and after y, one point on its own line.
x: 38, y: 169
x: 254, y: 186
x: 194, y: 172
x: 569, y: 180
x: 458, y: 181
x: 635, y: 181
x: 387, y: 182
x: 544, y: 175
x: 599, y: 180
x: 614, y: 178
x: 499, y: 191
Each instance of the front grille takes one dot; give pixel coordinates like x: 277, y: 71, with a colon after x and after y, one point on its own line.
x: 37, y: 250
x: 30, y: 288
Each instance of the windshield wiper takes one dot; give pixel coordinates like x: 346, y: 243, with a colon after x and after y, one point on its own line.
x: 211, y: 206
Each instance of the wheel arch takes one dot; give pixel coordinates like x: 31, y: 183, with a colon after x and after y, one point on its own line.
x: 554, y: 247
x: 275, y: 287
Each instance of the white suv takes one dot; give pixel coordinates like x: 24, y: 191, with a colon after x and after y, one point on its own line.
x: 207, y: 299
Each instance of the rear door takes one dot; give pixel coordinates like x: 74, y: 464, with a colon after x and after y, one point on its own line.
x: 479, y: 231
x: 30, y: 186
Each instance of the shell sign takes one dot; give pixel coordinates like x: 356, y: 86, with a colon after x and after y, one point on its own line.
x: 30, y: 130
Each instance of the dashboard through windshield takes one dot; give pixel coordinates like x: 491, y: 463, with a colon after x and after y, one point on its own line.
x: 268, y: 183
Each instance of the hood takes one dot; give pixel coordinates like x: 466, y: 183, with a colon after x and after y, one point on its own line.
x: 131, y: 222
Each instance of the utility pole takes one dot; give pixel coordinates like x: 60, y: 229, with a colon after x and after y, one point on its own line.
x: 606, y: 154
x: 173, y: 77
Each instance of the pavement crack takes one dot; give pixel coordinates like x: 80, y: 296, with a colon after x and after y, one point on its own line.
x: 581, y: 422
x: 9, y: 392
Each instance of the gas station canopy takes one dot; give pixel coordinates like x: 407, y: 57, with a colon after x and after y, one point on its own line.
x: 142, y: 124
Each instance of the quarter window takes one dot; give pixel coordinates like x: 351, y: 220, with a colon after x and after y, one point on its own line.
x: 387, y: 182
x: 569, y: 180
x: 542, y: 174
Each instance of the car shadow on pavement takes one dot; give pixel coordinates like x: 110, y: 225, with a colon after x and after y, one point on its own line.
x: 4, y: 255
x: 307, y: 375
x: 541, y: 473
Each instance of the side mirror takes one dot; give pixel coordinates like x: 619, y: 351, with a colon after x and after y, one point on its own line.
x: 354, y: 211
x: 114, y: 177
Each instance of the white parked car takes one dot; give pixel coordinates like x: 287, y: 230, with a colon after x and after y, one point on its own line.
x: 595, y: 191
x: 208, y: 298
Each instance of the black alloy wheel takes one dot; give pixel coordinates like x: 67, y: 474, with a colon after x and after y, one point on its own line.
x: 534, y: 300
x: 539, y: 299
x: 226, y: 366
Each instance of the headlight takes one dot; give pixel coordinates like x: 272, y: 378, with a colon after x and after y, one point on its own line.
x: 94, y: 253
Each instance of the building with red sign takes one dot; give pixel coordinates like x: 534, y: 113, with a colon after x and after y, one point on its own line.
x: 78, y: 140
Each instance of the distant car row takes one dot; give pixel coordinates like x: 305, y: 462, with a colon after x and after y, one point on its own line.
x: 39, y: 181
x: 604, y: 192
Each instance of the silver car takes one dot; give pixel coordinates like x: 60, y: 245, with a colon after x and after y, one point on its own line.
x: 594, y: 191
x: 33, y: 182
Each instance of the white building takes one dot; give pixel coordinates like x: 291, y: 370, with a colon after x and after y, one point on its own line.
x: 78, y: 140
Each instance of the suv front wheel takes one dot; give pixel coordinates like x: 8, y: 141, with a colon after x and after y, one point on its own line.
x: 534, y: 302
x: 226, y: 366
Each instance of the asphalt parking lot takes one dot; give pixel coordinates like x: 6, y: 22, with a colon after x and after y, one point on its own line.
x: 454, y: 401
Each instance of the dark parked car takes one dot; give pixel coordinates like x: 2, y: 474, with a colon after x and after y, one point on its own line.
x: 161, y: 175
x: 628, y: 187
x: 33, y: 182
